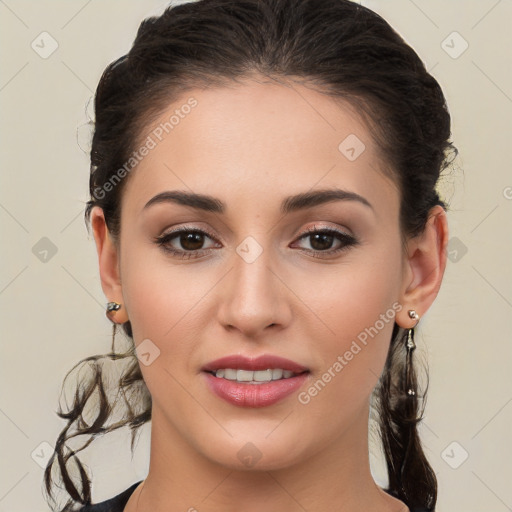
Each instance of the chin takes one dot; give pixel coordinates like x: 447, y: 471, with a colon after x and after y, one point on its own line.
x: 258, y: 452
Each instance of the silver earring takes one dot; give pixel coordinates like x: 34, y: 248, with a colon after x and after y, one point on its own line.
x: 410, y: 345
x: 112, y: 307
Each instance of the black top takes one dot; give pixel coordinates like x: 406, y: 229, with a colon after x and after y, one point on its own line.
x: 115, y: 504
x: 118, y: 503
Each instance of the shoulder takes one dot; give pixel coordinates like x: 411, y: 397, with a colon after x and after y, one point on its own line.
x: 115, y: 504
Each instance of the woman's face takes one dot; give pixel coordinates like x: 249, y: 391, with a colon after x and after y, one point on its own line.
x: 254, y: 282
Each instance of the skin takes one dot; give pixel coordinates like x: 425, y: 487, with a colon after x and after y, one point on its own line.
x: 252, y: 145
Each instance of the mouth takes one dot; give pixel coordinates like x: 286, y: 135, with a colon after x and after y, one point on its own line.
x: 254, y: 382
x: 254, y: 393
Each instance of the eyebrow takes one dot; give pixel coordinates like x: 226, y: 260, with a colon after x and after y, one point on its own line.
x: 290, y: 204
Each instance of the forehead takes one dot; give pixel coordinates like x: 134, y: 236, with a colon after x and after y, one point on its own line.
x: 258, y: 140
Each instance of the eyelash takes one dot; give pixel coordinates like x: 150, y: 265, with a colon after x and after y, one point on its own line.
x: 346, y: 239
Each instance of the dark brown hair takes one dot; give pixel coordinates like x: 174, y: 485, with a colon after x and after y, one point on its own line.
x: 337, y: 47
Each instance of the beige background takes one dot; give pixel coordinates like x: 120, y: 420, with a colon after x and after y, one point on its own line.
x: 52, y: 311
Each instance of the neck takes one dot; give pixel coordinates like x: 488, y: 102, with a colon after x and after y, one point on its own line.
x: 337, y: 477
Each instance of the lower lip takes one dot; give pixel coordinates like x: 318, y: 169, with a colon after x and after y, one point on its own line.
x: 254, y: 395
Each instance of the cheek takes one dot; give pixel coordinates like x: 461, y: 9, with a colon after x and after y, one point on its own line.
x: 353, y: 296
x: 157, y: 293
x: 163, y: 305
x: 352, y: 361
x: 355, y: 309
x: 168, y: 305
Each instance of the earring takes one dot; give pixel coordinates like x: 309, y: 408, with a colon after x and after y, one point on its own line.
x: 112, y: 307
x: 410, y: 345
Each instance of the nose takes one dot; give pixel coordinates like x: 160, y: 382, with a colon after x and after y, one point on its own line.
x: 254, y: 297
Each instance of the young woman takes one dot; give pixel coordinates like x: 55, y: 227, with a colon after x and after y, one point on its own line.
x: 264, y: 207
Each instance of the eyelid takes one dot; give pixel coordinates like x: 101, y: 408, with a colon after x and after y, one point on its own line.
x: 315, y: 228
x: 188, y: 229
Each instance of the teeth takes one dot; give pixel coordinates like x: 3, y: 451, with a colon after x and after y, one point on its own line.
x: 277, y: 373
x: 253, y: 376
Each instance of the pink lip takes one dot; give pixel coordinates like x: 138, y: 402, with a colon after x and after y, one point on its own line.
x: 254, y: 395
x: 262, y: 362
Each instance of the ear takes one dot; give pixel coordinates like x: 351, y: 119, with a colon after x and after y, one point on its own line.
x: 108, y: 262
x: 424, y: 267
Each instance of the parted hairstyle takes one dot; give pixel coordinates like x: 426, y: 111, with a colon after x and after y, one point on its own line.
x: 336, y: 47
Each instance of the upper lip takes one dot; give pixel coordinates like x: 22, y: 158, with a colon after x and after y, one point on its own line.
x: 263, y: 362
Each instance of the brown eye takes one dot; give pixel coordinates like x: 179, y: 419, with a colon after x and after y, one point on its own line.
x: 321, y: 241
x: 185, y: 242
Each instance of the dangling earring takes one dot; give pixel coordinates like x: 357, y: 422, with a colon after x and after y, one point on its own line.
x: 112, y: 307
x: 410, y: 345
